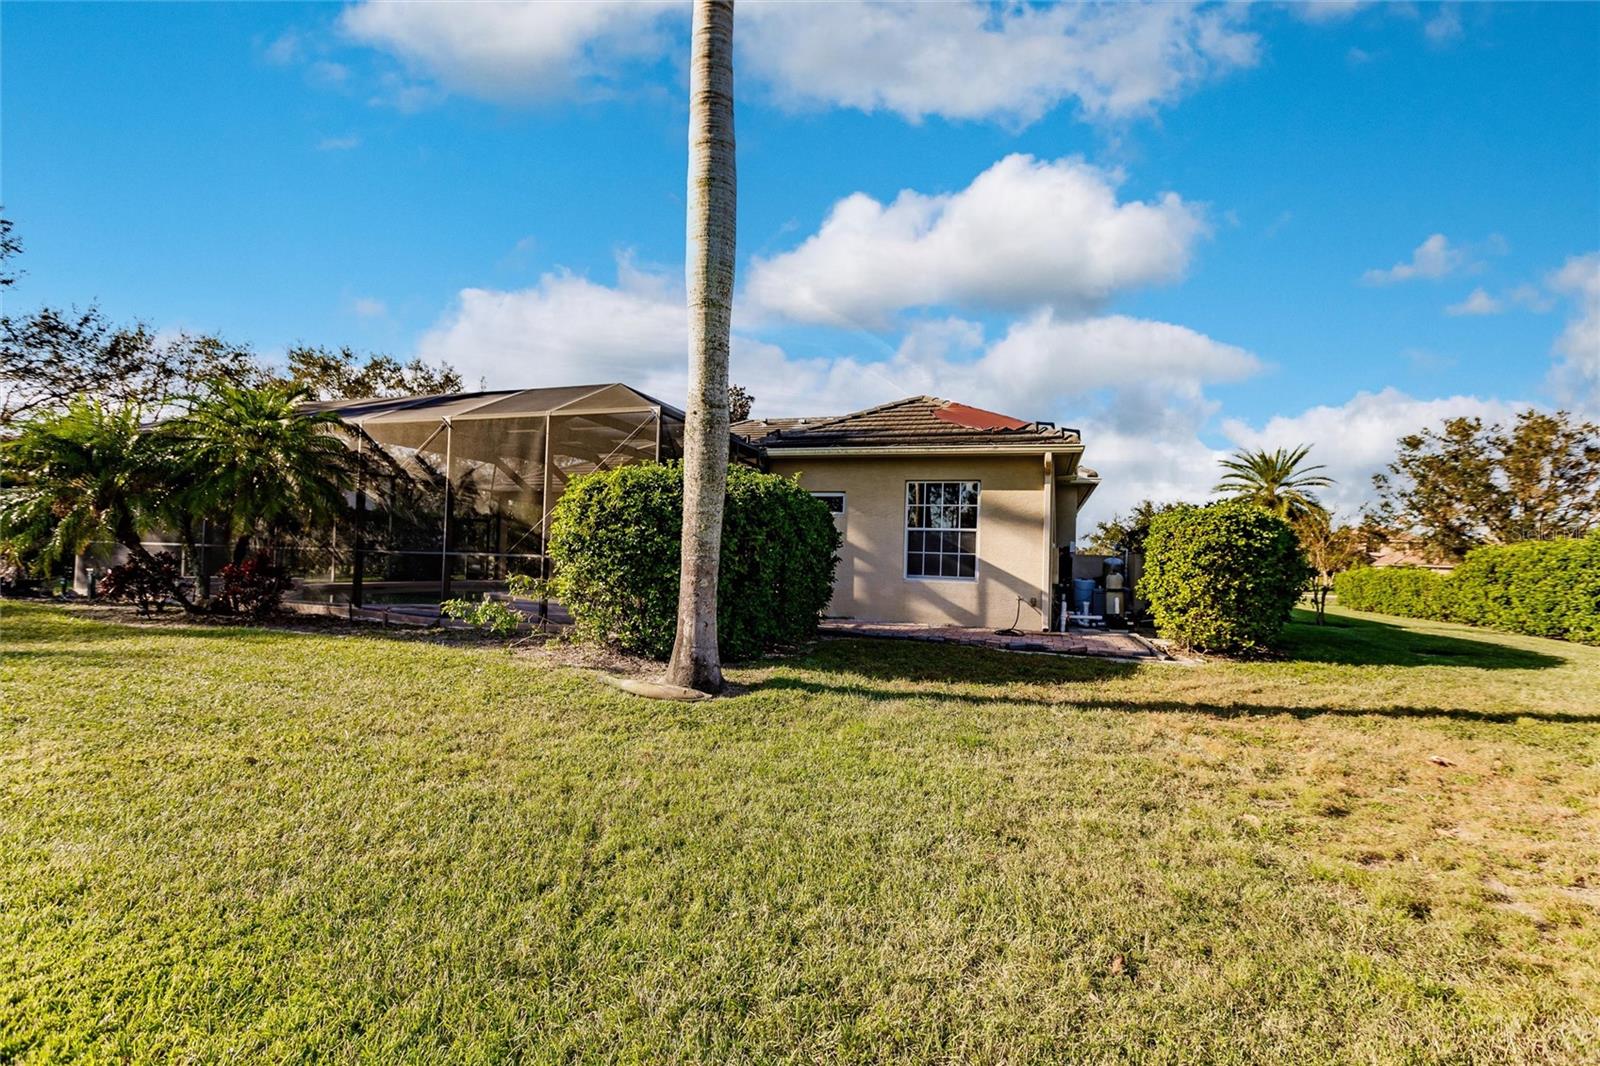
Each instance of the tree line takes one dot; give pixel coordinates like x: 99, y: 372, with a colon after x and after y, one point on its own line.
x: 51, y: 356
x: 1449, y: 489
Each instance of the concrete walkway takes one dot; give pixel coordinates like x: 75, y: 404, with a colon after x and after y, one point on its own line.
x: 1111, y: 644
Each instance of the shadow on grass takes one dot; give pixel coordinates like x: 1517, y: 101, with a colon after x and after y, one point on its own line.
x: 879, y: 669
x: 1342, y: 641
x: 49, y: 624
x: 43, y: 622
x: 888, y: 659
x: 1233, y: 709
x: 1351, y: 641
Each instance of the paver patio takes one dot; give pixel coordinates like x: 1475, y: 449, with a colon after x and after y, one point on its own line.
x: 1098, y: 642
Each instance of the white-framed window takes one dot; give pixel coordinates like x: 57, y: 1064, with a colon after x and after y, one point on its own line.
x: 942, y: 530
x: 834, y: 500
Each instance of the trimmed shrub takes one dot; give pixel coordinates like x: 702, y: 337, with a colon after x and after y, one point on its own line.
x: 1544, y: 588
x: 1403, y: 590
x: 1222, y: 578
x: 615, y: 538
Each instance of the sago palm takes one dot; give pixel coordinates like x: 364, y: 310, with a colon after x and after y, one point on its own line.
x: 88, y: 473
x: 256, y: 458
x: 1274, y: 480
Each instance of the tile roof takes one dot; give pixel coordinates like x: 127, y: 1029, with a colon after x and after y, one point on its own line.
x: 916, y: 420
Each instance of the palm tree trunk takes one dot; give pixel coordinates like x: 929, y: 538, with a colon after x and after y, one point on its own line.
x: 695, y: 662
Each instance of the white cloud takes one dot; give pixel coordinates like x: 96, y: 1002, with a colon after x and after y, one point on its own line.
x: 338, y: 144
x: 369, y: 307
x: 1168, y: 465
x: 1478, y: 302
x: 1046, y: 360
x: 965, y: 60
x: 1531, y: 298
x: 1327, y: 10
x: 1433, y: 258
x: 514, y: 52
x: 1445, y: 26
x: 565, y: 330
x: 1135, y: 373
x: 1356, y: 439
x: 286, y: 48
x: 1135, y: 387
x: 974, y: 61
x: 568, y: 328
x: 1025, y: 233
x: 1576, y: 375
x: 327, y: 73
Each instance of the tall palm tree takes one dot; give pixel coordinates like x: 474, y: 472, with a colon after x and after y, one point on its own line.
x: 1274, y: 480
x: 254, y: 457
x: 695, y: 662
x: 87, y: 473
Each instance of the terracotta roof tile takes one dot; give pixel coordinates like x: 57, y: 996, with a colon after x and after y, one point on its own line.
x: 916, y: 420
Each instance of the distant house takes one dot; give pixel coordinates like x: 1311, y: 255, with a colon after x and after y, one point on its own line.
x: 951, y: 515
x: 1402, y: 550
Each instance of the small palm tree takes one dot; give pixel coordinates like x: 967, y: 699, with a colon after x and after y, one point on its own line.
x: 263, y: 463
x: 88, y: 473
x: 1274, y: 480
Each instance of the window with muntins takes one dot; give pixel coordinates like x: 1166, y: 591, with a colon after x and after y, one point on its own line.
x: 942, y: 529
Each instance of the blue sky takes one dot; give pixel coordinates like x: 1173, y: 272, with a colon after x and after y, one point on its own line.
x: 1181, y: 229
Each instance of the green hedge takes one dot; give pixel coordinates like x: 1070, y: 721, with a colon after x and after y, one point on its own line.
x: 615, y: 538
x: 1402, y: 590
x: 1223, y: 577
x: 1544, y: 588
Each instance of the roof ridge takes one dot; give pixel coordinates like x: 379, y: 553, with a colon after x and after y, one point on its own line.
x: 870, y: 410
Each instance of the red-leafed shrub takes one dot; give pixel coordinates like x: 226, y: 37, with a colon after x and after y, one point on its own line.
x: 254, y: 587
x: 141, y: 583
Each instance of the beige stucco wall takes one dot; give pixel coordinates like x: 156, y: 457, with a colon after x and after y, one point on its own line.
x: 870, y: 584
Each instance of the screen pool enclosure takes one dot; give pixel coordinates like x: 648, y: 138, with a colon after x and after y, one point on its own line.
x: 465, y: 484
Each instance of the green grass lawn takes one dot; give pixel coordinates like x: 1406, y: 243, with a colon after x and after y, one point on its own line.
x: 225, y: 845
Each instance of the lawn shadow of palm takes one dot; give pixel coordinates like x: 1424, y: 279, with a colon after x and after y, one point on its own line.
x: 1343, y: 641
x: 1349, y: 641
x: 888, y: 670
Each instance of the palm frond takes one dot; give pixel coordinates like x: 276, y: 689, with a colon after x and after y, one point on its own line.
x: 1277, y: 480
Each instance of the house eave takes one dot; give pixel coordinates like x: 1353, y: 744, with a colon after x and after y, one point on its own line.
x: 913, y: 450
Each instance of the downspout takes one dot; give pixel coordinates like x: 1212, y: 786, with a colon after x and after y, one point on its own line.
x: 358, y: 547
x: 1047, y: 591
x: 544, y: 528
x: 444, y: 534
